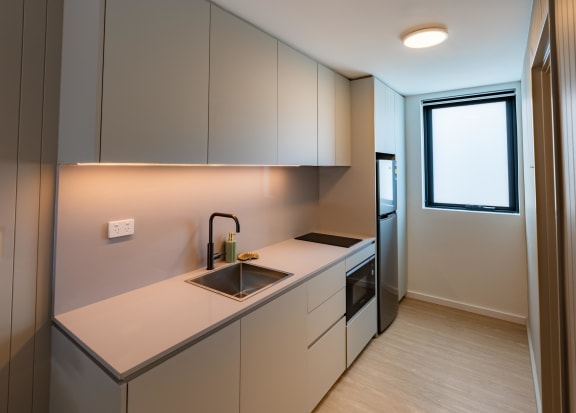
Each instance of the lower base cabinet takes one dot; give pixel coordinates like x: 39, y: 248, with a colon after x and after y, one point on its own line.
x: 326, y: 362
x: 203, y: 378
x: 282, y: 357
x: 273, y: 354
x: 360, y: 330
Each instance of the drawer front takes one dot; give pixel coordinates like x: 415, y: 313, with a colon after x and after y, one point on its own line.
x: 325, y: 285
x: 360, y: 330
x: 360, y: 256
x: 326, y: 362
x: 324, y: 316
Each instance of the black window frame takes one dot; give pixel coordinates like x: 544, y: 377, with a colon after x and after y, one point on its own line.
x: 509, y: 97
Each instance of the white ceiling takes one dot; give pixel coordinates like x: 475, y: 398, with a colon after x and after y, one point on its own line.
x: 486, y: 38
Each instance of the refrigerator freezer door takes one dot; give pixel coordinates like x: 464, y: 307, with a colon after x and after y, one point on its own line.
x: 387, y: 271
x: 386, y: 181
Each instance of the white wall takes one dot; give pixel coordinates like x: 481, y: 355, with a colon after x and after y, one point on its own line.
x: 470, y: 260
x: 171, y: 207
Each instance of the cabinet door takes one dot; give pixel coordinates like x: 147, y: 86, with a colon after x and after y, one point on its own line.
x: 203, y: 378
x: 390, y: 121
x: 243, y: 92
x: 78, y: 384
x: 326, y: 362
x: 384, y: 118
x: 155, y: 83
x: 81, y: 81
x: 343, y: 128
x: 326, y: 116
x: 297, y: 108
x: 273, y: 355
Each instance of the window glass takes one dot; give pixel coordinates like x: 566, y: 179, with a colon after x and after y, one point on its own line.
x: 470, y: 154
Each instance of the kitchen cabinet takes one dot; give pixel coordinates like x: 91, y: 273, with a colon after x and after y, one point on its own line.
x: 345, y: 206
x: 189, y: 83
x: 362, y: 327
x: 81, y: 81
x: 326, y: 354
x: 334, y: 125
x: 170, y: 345
x: 155, y: 82
x: 78, y: 384
x: 343, y: 138
x: 203, y: 378
x: 360, y: 330
x: 243, y: 96
x: 273, y: 356
x: 137, y: 91
x: 387, y: 115
x: 297, y: 108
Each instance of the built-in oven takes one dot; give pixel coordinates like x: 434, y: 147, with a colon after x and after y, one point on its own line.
x: 360, y: 286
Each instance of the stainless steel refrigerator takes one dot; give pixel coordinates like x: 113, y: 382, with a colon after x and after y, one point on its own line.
x: 387, y: 241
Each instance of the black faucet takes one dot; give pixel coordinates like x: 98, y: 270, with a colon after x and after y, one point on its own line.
x: 210, y: 265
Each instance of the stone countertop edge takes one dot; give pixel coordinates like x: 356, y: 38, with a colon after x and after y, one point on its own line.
x: 130, y: 333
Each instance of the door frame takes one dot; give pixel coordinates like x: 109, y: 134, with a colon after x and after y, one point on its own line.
x: 549, y: 224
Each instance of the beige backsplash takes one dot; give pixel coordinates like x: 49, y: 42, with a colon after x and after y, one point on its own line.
x: 171, y: 206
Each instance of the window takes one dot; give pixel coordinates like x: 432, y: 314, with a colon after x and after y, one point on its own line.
x: 470, y: 153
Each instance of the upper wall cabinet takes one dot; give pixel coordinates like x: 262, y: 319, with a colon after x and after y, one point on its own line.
x: 188, y: 83
x: 388, y: 114
x: 334, y: 133
x: 155, y: 83
x: 297, y: 108
x: 81, y: 81
x: 243, y: 92
x: 137, y: 91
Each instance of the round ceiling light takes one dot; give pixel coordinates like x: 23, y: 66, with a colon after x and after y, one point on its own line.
x: 427, y: 37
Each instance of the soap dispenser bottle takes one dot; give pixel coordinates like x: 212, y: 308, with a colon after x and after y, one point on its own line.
x: 230, y: 255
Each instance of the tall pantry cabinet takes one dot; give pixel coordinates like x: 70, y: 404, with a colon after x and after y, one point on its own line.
x: 348, y: 195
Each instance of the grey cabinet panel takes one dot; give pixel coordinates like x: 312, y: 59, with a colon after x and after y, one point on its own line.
x: 273, y: 356
x: 326, y: 116
x: 297, y: 108
x: 81, y: 81
x: 155, y: 83
x: 343, y: 132
x: 203, y: 378
x: 334, y: 119
x: 243, y: 92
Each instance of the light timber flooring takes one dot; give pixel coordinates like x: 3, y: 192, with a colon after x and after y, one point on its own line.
x: 438, y: 359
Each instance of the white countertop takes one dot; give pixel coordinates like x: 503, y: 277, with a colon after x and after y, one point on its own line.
x: 130, y: 331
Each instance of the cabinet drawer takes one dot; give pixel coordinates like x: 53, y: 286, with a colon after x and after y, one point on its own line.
x: 326, y: 362
x: 326, y: 315
x: 360, y: 330
x: 325, y: 285
x: 360, y: 256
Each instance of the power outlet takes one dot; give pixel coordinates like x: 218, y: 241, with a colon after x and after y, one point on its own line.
x: 121, y: 228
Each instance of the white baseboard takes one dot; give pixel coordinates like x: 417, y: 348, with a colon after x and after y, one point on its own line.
x: 535, y: 377
x: 514, y: 318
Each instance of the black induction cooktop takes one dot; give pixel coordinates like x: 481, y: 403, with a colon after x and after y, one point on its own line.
x: 329, y: 239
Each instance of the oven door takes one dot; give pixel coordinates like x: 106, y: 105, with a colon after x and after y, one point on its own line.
x: 360, y: 286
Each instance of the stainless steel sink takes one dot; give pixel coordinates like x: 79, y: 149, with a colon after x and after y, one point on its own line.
x: 239, y: 281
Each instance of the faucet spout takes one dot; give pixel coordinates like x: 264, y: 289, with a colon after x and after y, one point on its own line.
x: 210, y: 264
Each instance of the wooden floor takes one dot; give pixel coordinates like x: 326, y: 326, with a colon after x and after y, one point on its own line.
x: 438, y: 359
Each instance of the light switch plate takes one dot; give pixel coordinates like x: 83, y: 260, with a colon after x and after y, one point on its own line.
x: 121, y: 228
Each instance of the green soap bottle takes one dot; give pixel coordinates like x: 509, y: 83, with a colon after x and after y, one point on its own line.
x: 231, y: 248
